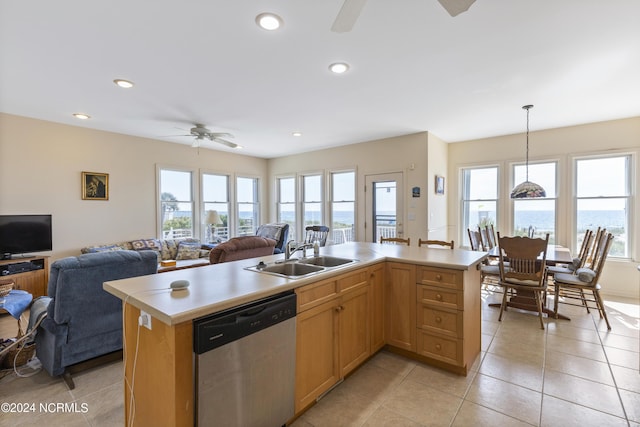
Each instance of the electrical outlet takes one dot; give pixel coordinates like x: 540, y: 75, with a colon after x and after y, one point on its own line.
x: 145, y: 319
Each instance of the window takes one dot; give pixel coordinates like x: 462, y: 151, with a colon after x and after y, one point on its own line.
x: 537, y: 215
x: 312, y: 200
x: 176, y: 204
x: 343, y: 207
x: 215, y: 201
x: 286, y: 203
x: 479, y: 199
x: 603, y: 198
x: 248, y: 208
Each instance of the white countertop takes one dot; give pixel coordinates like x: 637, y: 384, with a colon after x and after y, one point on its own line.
x: 220, y: 286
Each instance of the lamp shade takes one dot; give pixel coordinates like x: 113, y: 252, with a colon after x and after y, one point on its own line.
x: 528, y: 190
x: 213, y: 217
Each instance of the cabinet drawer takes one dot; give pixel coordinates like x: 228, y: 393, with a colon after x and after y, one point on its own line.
x: 353, y: 280
x: 439, y: 277
x: 316, y: 293
x: 444, y: 297
x: 438, y: 347
x: 443, y: 321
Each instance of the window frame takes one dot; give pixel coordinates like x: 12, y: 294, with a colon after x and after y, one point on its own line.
x: 629, y: 197
x: 256, y: 203
x: 204, y: 202
x: 195, y: 214
x: 331, y: 202
x: 553, y: 238
x: 464, y: 237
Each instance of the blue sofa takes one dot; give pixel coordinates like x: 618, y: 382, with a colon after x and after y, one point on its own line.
x: 83, y: 320
x: 278, y: 231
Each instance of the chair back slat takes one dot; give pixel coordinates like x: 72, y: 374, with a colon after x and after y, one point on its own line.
x: 526, y: 258
x: 450, y: 244
x: 475, y: 240
x: 396, y: 240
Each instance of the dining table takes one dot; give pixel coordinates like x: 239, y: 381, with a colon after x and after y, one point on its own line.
x: 556, y: 254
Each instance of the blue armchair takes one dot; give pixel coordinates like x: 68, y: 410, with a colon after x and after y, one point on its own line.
x: 276, y: 231
x: 83, y: 320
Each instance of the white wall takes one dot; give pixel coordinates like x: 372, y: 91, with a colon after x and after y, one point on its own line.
x: 620, y: 277
x: 40, y: 170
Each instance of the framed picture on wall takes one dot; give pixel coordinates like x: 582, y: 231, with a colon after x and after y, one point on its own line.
x: 95, y: 186
x: 439, y: 184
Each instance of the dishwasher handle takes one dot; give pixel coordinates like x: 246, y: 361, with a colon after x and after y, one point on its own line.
x: 219, y: 329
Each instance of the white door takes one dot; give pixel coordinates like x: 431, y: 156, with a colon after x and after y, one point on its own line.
x: 384, y: 206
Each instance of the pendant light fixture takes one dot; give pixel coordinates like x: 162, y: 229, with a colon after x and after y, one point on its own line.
x: 527, y: 189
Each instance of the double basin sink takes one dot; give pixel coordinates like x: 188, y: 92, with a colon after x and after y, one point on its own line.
x: 296, y: 268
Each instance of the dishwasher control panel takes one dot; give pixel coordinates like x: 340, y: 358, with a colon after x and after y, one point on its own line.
x: 229, y: 325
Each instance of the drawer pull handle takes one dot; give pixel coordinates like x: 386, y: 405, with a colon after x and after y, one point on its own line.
x: 438, y: 347
x: 439, y: 297
x: 438, y: 319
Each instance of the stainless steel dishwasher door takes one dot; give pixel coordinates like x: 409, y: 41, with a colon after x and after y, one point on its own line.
x: 248, y: 382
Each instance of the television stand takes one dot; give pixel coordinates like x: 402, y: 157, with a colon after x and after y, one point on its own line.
x: 29, y: 273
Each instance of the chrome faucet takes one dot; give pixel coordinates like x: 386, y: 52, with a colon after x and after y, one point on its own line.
x: 292, y: 247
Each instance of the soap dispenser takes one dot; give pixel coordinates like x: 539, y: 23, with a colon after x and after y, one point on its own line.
x: 316, y: 248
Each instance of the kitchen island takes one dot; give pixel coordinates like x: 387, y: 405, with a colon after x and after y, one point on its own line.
x: 420, y: 301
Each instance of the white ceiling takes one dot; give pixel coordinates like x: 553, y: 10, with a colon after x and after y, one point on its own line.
x: 413, y: 68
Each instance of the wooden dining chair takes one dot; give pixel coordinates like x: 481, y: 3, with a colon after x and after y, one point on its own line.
x: 489, y: 271
x: 316, y: 232
x: 450, y: 244
x: 396, y: 240
x: 573, y: 286
x: 525, y: 270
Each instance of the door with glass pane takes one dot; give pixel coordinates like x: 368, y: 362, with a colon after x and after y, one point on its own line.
x: 384, y: 206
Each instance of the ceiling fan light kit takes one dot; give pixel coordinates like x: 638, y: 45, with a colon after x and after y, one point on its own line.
x: 528, y: 189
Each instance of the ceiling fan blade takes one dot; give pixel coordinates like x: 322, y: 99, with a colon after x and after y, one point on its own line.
x: 224, y: 142
x: 456, y: 7
x: 220, y: 134
x: 347, y: 16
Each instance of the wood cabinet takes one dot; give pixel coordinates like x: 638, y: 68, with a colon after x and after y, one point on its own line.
x: 448, y: 317
x: 33, y: 281
x: 377, y: 304
x: 400, y: 314
x: 333, y: 336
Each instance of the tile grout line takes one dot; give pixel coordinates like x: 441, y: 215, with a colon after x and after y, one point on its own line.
x: 613, y: 377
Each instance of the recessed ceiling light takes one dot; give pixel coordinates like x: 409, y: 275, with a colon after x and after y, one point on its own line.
x: 339, y: 67
x: 81, y: 116
x: 269, y: 21
x: 123, y: 83
x: 297, y: 134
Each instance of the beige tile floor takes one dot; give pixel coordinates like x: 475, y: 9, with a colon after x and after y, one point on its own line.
x: 574, y: 373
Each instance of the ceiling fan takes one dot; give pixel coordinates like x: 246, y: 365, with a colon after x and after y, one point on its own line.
x: 351, y: 10
x: 202, y: 133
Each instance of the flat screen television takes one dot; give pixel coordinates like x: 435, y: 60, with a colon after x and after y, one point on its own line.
x: 23, y: 234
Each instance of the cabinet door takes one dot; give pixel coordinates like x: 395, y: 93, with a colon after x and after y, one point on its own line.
x: 317, y: 358
x: 32, y: 282
x: 376, y: 298
x: 400, y: 297
x: 354, y: 333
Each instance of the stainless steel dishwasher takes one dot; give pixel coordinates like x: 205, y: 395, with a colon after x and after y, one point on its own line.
x: 245, y: 364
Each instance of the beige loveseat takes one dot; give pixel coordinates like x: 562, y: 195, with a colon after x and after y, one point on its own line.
x: 186, y: 252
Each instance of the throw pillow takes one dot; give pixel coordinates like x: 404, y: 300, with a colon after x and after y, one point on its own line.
x: 110, y: 248
x: 146, y: 244
x: 575, y: 263
x: 586, y: 274
x: 188, y: 250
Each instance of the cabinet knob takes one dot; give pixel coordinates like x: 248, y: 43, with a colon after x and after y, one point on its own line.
x: 438, y: 319
x: 439, y: 297
x: 438, y: 277
x: 438, y: 347
x: 339, y: 309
